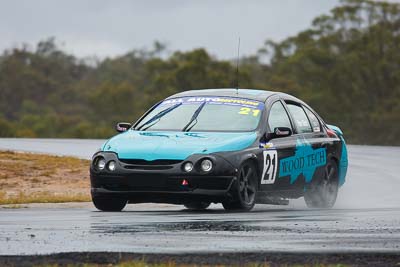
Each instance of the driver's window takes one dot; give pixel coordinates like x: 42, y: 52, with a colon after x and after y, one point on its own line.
x: 278, y: 117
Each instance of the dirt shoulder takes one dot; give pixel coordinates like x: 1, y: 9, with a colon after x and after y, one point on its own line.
x: 217, y: 259
x: 39, y: 178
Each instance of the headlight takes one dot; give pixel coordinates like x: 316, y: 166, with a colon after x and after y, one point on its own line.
x: 206, y: 165
x: 188, y: 167
x: 101, y: 163
x: 111, y: 165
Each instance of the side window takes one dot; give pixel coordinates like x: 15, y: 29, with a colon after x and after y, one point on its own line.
x: 278, y: 117
x: 300, y: 118
x: 314, y: 120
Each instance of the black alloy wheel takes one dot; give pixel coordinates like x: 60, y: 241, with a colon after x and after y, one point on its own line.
x: 323, y: 192
x: 245, y: 190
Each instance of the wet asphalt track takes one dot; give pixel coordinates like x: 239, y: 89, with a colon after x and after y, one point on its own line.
x: 366, y: 218
x: 166, y: 229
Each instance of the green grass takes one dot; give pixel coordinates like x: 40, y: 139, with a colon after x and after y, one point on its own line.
x: 42, y: 197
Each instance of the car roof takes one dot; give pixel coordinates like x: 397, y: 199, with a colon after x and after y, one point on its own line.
x: 253, y: 94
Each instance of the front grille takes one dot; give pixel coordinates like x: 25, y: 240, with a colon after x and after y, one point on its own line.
x: 148, y: 167
x: 142, y: 182
x: 142, y: 162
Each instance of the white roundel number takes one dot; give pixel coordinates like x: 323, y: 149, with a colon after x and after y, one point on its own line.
x: 270, y: 166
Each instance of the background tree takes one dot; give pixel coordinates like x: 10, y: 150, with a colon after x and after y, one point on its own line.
x: 346, y: 65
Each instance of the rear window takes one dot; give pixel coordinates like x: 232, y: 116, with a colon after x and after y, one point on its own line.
x: 300, y: 118
x: 316, y: 127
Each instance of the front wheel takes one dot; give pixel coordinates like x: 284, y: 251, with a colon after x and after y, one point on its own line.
x: 245, y: 190
x: 323, y: 192
x: 109, y: 204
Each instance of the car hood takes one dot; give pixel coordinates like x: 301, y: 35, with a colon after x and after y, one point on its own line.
x: 175, y: 145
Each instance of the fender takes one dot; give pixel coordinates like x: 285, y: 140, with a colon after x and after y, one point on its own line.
x: 236, y: 158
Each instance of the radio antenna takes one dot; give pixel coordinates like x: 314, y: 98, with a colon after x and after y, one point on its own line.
x: 237, y: 68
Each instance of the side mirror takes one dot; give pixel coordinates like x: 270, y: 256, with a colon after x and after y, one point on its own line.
x: 282, y: 132
x: 123, y: 126
x: 278, y: 132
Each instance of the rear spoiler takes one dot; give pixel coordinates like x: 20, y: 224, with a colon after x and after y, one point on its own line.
x: 336, y: 129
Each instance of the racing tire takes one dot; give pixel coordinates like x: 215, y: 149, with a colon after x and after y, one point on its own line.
x: 197, y: 205
x: 323, y: 192
x: 109, y: 204
x: 245, y: 189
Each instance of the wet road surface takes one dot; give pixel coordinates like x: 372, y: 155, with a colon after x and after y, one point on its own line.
x: 149, y: 228
x: 82, y: 148
x: 366, y: 217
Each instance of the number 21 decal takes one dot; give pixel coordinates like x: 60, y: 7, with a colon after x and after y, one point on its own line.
x: 248, y: 111
x: 270, y: 166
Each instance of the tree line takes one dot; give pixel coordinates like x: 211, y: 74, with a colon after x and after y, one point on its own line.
x: 346, y: 65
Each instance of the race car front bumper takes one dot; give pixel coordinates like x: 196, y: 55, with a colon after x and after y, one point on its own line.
x: 162, y: 181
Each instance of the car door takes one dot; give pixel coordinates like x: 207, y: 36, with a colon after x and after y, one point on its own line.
x: 276, y: 148
x: 318, y: 137
x: 310, y: 149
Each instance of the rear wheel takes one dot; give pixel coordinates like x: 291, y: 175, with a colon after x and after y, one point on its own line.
x: 245, y: 190
x: 109, y: 204
x: 197, y: 205
x: 323, y: 193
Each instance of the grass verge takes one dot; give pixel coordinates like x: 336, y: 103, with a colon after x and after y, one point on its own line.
x: 123, y: 259
x: 172, y: 264
x: 42, y: 197
x: 38, y: 178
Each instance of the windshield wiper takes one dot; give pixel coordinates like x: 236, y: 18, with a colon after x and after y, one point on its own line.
x: 194, y: 118
x: 158, y: 116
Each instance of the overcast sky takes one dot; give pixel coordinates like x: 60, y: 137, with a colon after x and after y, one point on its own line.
x: 108, y: 28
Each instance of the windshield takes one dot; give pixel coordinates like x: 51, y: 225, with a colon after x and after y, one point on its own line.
x: 203, y: 114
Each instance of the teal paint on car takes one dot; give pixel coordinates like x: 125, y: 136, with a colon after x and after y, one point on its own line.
x: 175, y: 145
x: 344, y: 161
x: 305, y: 161
x: 343, y: 164
x: 336, y: 129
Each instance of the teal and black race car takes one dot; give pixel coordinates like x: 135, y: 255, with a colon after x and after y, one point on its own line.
x: 237, y: 147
